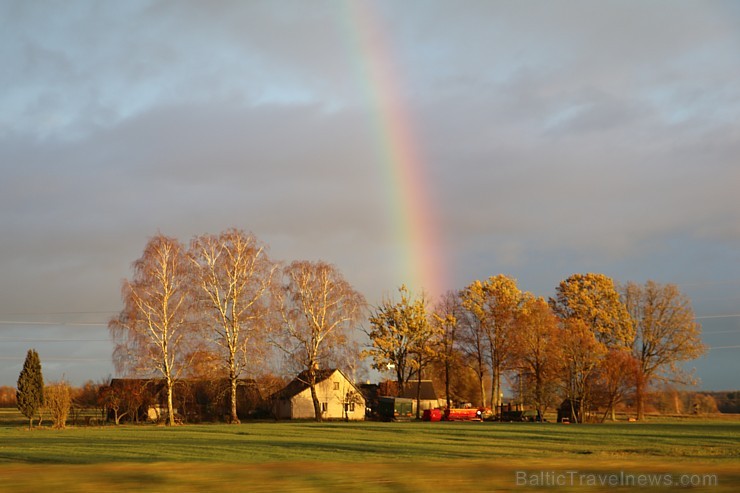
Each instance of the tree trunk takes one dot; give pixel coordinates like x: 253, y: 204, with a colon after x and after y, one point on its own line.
x: 316, y: 403
x: 418, y: 396
x: 482, y: 389
x: 170, y: 407
x: 677, y: 402
x: 640, y: 398
x: 399, y: 379
x: 447, y: 383
x: 234, y: 416
x: 495, y: 388
x: 539, y: 393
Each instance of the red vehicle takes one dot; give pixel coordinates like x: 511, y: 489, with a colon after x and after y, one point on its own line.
x: 468, y: 414
x: 432, y: 415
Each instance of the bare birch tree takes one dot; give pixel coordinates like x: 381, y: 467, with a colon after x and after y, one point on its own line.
x: 151, y: 332
x: 318, y: 308
x: 233, y: 274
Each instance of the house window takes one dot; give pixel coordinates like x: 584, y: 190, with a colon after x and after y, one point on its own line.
x: 349, y: 407
x: 336, y: 385
x: 324, y: 407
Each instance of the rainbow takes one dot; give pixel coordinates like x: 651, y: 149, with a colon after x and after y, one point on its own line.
x: 420, y: 259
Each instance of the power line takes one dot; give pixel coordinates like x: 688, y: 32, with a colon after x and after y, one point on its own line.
x: 44, y: 314
x: 87, y: 360
x: 61, y: 324
x: 13, y: 339
x: 709, y: 283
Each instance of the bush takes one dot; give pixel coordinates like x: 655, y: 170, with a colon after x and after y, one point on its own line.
x: 58, y: 399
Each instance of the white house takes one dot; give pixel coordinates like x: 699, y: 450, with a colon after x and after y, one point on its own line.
x: 338, y: 396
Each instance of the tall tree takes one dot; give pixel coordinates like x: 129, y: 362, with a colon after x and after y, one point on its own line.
x: 395, y: 328
x: 318, y: 308
x: 537, y: 351
x: 616, y: 377
x: 425, y: 347
x: 472, y: 343
x: 666, y: 334
x: 151, y: 332
x: 594, y: 299
x: 30, y: 389
x: 402, y: 336
x: 234, y: 274
x: 493, y: 304
x: 446, y: 314
x: 582, y: 353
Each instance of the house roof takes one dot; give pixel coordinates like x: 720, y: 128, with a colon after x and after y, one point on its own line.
x: 300, y: 383
x: 427, y: 391
x: 158, y: 381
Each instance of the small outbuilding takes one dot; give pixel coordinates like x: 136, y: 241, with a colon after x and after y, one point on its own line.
x: 427, y: 395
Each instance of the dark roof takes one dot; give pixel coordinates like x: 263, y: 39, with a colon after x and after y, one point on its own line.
x: 156, y: 386
x: 153, y: 384
x: 300, y: 383
x: 160, y: 382
x: 427, y: 391
x: 369, y: 391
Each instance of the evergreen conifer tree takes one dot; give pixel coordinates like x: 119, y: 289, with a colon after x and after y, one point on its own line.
x: 30, y: 390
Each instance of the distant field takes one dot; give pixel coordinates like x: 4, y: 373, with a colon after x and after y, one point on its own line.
x: 304, y: 456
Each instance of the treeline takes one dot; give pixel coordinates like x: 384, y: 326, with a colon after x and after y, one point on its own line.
x: 594, y: 344
x: 220, y: 307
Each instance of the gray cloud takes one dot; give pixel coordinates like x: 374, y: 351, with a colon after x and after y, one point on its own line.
x: 557, y: 138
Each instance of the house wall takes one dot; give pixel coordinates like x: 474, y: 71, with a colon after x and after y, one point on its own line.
x: 331, y: 392
x: 283, y: 409
x: 426, y: 404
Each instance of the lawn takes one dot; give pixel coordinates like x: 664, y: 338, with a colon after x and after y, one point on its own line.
x: 369, y: 456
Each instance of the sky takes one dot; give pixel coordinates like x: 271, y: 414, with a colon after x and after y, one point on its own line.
x: 423, y: 142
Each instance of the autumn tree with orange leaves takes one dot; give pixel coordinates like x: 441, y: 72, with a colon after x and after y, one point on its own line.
x: 667, y: 334
x: 537, y: 352
x: 582, y: 353
x: 492, y: 305
x: 593, y: 299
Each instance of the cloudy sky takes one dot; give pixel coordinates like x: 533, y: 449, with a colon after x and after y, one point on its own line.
x: 535, y: 139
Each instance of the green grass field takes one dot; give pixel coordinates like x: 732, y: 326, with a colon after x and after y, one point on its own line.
x: 369, y: 456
